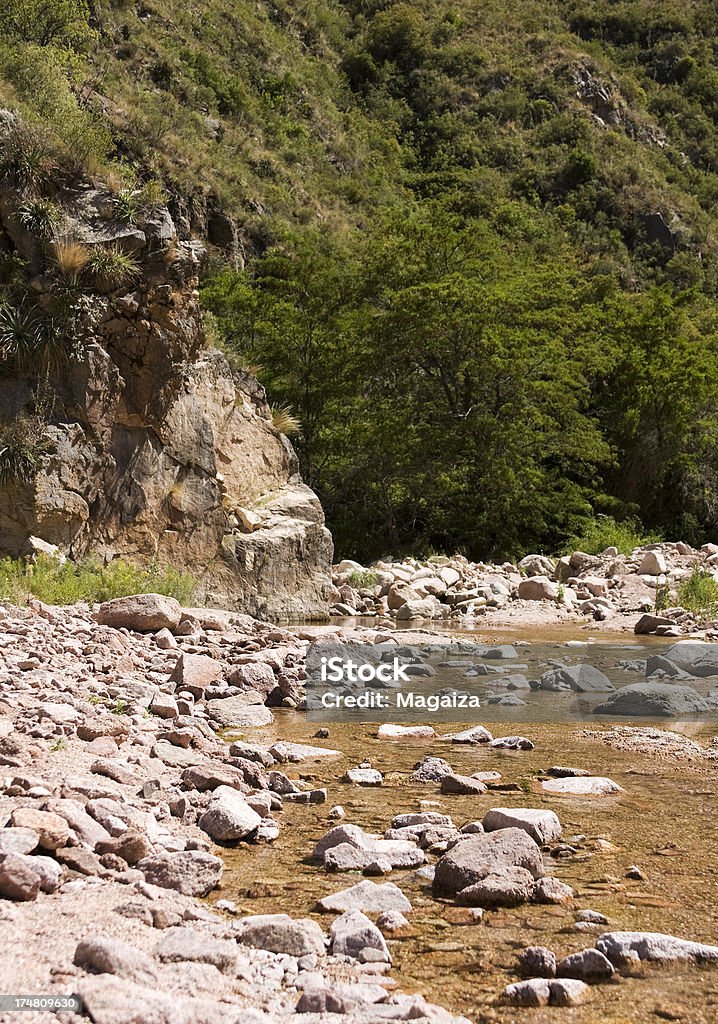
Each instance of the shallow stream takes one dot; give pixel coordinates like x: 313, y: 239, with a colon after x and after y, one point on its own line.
x: 665, y: 823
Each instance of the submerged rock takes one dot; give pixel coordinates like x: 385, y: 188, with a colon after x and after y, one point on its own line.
x: 543, y: 826
x: 659, y: 700
x: 590, y: 785
x: 624, y: 947
x: 479, y: 855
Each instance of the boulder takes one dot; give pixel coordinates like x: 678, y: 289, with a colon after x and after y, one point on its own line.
x: 195, y: 672
x: 590, y: 785
x: 581, y: 678
x: 538, y: 588
x: 52, y: 829
x: 389, y: 853
x: 537, y: 962
x: 431, y: 769
x: 461, y: 785
x: 368, y: 896
x: 352, y: 933
x: 18, y: 840
x: 476, y: 734
x: 280, y: 933
x: 183, y: 945
x: 104, y: 955
x: 352, y: 835
x: 243, y: 711
x: 141, y: 612
x: 551, y: 890
x: 653, y: 700
x: 694, y: 656
x: 537, y: 565
x: 653, y: 563
x: 479, y: 855
x: 508, y: 887
x: 229, y: 817
x: 587, y: 965
x: 256, y: 675
x: 397, y: 732
x: 364, y: 777
x: 624, y: 948
x: 18, y: 880
x: 543, y: 826
x: 546, y: 992
x: 191, y: 872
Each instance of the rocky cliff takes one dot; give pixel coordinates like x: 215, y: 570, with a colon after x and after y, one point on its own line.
x: 153, y: 448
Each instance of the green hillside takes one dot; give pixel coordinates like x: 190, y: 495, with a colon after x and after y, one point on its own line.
x: 472, y: 246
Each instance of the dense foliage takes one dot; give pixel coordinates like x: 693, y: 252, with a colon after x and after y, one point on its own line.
x: 480, y: 240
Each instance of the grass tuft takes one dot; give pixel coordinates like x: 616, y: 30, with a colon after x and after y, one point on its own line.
x: 284, y: 420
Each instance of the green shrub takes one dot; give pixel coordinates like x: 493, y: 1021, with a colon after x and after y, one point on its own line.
x: 606, y: 532
x: 44, y: 22
x: 110, y: 267
x: 358, y: 579
x: 22, y: 447
x: 699, y: 594
x: 66, y: 583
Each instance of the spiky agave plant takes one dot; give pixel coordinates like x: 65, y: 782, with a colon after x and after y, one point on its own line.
x: 40, y: 217
x: 284, y: 420
x: 22, y: 447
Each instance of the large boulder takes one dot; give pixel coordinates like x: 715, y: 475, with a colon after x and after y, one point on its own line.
x: 509, y: 887
x: 588, y: 785
x: 653, y: 700
x: 142, y: 612
x: 245, y: 710
x: 479, y: 855
x: 538, y: 588
x: 694, y: 656
x: 229, y: 817
x: 280, y: 933
x: 623, y: 948
x: 103, y: 955
x: 195, y: 672
x: 352, y: 933
x: 542, y: 825
x: 581, y: 678
x: 191, y: 872
x: 367, y: 896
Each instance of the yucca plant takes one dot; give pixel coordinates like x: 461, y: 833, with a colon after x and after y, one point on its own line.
x: 110, y: 267
x: 40, y: 217
x: 22, y: 337
x: 128, y: 205
x: 70, y: 258
x: 24, y: 159
x: 284, y: 420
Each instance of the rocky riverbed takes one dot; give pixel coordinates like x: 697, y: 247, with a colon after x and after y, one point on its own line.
x: 180, y: 843
x: 610, y: 591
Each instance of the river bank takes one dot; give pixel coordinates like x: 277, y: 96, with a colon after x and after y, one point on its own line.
x: 163, y: 791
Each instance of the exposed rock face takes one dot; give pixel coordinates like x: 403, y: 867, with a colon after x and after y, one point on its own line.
x: 158, y: 449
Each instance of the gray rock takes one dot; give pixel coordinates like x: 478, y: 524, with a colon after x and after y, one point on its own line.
x: 567, y: 992
x: 543, y: 826
x: 551, y: 890
x: 421, y: 818
x: 18, y: 840
x: 590, y: 785
x: 179, y: 945
x: 461, y: 785
x: 622, y: 948
x: 364, y: 777
x: 229, y: 817
x: 533, y: 992
x: 243, y: 711
x: 653, y: 700
x: 394, y: 853
x: 191, y: 872
x: 431, y: 769
x: 18, y: 881
x: 280, y: 933
x: 695, y: 657
x: 142, y: 612
x: 479, y: 855
x: 391, y: 921
x: 477, y: 734
x: 580, y: 678
x: 537, y: 962
x: 352, y: 933
x: 349, y: 834
x: 512, y: 743
x: 587, y: 965
x: 104, y: 955
x: 508, y: 887
x: 368, y: 896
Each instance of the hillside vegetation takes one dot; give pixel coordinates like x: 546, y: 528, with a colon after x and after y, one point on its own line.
x: 472, y: 246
